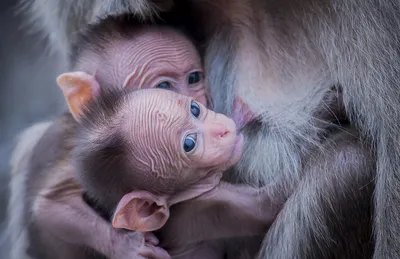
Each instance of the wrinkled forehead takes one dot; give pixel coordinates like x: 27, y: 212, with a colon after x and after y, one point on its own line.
x: 160, y: 39
x: 154, y: 121
x: 149, y: 49
x: 159, y: 108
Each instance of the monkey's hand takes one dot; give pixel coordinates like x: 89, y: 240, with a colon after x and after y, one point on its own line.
x: 227, y: 211
x: 130, y: 244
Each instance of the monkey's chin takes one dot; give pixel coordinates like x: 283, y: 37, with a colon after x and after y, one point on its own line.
x: 237, y: 150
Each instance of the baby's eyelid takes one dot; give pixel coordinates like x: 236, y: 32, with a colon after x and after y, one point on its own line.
x: 195, y: 71
x: 159, y: 80
x: 203, y: 112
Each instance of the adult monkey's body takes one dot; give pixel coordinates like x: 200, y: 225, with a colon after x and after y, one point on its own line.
x: 281, y: 57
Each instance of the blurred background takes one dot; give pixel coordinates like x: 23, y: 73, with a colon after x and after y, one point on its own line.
x: 28, y: 92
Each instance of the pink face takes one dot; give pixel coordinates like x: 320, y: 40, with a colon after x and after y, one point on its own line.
x: 177, y: 138
x: 177, y: 150
x: 157, y: 57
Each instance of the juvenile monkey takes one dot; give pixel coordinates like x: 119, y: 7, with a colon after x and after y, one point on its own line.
x: 138, y: 153
x: 152, y: 57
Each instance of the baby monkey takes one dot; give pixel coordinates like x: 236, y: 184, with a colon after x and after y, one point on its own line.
x: 118, y: 56
x: 137, y: 153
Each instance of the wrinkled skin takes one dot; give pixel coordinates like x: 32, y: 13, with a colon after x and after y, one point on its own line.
x: 158, y: 57
x: 163, y: 118
x: 155, y: 126
x: 159, y: 168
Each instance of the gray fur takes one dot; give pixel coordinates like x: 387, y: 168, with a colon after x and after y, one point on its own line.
x: 16, y: 229
x: 357, y: 46
x: 63, y: 20
x: 285, y: 62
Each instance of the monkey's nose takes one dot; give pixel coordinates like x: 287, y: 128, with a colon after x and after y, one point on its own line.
x: 219, y: 131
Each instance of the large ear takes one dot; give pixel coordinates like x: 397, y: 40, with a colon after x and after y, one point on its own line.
x: 141, y: 211
x: 78, y: 88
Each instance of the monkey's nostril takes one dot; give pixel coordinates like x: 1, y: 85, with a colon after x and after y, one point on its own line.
x: 220, y: 131
x: 224, y: 133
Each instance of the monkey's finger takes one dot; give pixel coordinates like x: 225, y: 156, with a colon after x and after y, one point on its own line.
x: 151, y: 238
x: 154, y: 252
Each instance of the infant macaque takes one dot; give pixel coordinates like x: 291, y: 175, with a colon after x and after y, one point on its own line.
x: 140, y: 152
x: 59, y: 222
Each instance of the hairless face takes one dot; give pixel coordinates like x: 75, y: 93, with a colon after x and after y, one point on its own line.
x: 155, y: 57
x: 171, y: 136
x: 159, y: 147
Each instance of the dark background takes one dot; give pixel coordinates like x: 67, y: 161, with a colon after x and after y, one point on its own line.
x: 28, y: 92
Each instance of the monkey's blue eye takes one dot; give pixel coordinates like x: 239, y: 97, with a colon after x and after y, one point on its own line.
x: 164, y: 85
x: 195, y: 109
x: 190, y: 142
x: 194, y: 77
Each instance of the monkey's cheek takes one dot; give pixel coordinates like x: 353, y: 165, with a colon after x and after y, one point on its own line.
x: 237, y: 150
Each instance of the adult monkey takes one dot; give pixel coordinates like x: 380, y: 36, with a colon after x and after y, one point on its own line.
x: 281, y: 57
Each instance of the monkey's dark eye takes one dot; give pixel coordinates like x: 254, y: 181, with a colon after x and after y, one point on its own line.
x: 164, y: 85
x: 190, y: 142
x: 194, y: 77
x: 195, y: 109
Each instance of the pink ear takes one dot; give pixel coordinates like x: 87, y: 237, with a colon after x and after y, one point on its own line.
x: 141, y: 211
x: 78, y: 88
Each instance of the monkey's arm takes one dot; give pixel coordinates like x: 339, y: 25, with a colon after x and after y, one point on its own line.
x: 227, y: 211
x: 63, y: 212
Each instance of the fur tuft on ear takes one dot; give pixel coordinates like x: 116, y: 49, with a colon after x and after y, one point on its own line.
x: 141, y: 211
x: 79, y: 88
